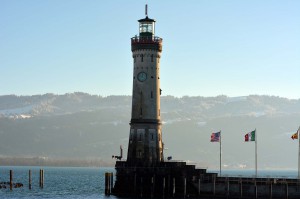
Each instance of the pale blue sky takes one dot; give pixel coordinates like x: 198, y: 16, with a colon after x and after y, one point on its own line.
x: 210, y: 47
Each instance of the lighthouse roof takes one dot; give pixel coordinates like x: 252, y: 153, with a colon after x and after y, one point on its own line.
x: 147, y: 19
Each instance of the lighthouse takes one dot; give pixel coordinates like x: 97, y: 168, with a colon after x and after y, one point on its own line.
x: 145, y: 173
x: 145, y: 147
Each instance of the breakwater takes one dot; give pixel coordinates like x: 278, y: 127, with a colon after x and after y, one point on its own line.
x: 179, y: 180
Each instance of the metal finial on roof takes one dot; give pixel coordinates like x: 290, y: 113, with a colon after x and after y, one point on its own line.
x: 146, y: 10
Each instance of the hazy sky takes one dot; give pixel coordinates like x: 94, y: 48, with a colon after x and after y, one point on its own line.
x: 210, y: 47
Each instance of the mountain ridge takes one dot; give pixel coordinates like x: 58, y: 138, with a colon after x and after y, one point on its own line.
x: 81, y: 126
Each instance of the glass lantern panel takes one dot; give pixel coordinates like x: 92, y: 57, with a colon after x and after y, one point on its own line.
x: 146, y: 27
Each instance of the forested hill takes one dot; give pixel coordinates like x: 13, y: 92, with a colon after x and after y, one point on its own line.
x: 83, y: 126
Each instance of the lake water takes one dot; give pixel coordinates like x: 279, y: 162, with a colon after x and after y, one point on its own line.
x: 81, y: 183
x: 59, y: 182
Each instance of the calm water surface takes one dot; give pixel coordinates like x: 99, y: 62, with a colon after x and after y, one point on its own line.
x: 59, y: 182
x: 79, y: 183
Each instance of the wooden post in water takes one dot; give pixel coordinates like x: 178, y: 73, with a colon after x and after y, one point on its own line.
x: 29, y: 179
x: 106, y: 184
x: 108, y: 179
x: 111, y: 182
x: 40, y: 175
x: 11, y: 179
x: 41, y: 178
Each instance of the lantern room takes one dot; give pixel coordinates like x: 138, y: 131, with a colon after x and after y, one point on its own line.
x: 147, y: 27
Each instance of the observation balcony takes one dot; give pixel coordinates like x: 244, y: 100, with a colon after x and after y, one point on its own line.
x: 142, y: 42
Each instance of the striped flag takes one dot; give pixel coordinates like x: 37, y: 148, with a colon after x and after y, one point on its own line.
x: 250, y: 136
x: 215, y: 137
x: 295, y: 135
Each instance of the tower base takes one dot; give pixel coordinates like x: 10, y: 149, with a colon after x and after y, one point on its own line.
x: 165, y: 180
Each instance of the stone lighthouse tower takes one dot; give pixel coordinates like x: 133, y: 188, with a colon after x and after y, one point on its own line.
x: 145, y: 173
x: 145, y: 139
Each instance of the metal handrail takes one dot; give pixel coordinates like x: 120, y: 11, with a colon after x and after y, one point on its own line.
x: 142, y: 39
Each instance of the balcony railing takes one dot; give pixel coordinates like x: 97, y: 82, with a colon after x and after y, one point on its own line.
x: 146, y: 40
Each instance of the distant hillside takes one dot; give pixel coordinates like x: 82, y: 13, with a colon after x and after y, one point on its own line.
x: 83, y: 126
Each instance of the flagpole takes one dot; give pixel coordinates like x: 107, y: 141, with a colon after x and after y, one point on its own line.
x: 298, y: 153
x: 255, y: 153
x: 220, y: 154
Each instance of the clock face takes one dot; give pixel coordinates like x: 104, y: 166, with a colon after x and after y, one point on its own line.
x: 142, y: 76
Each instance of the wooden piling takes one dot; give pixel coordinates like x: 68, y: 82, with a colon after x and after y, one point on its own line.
x: 111, y: 182
x: 106, y: 184
x: 11, y: 179
x: 41, y: 178
x: 29, y: 179
x: 40, y: 175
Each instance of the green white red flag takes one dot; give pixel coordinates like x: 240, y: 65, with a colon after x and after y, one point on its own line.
x: 250, y: 136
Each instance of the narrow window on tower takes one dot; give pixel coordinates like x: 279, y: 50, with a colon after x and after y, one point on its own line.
x: 140, y: 137
x: 142, y: 58
x: 151, y: 94
x: 134, y: 59
x: 152, y: 138
x: 152, y: 58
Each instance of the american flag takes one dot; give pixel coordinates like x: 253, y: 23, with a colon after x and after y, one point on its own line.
x: 215, y: 137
